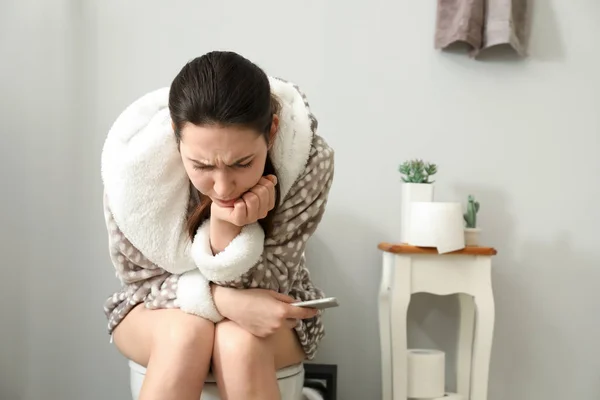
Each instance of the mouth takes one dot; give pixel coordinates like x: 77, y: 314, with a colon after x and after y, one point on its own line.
x: 224, y: 203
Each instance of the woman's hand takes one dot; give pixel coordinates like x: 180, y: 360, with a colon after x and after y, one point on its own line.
x: 255, y: 204
x: 227, y: 222
x: 261, y: 312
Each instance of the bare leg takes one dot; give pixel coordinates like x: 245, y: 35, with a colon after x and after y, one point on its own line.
x: 174, y: 346
x: 245, y: 365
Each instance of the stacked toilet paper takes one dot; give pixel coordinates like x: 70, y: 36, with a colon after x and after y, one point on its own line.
x: 436, y: 224
x: 427, y: 375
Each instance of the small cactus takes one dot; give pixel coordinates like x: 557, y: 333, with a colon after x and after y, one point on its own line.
x: 471, y: 215
x: 417, y: 171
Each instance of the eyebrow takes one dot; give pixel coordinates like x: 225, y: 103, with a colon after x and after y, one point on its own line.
x: 239, y: 161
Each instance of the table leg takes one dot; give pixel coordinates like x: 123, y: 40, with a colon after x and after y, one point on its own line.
x: 465, y: 345
x: 484, y: 330
x: 401, y: 293
x: 385, y: 289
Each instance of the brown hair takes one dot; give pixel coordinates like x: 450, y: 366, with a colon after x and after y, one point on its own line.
x: 223, y: 88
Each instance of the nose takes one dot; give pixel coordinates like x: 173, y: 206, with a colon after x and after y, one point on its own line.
x: 224, y: 185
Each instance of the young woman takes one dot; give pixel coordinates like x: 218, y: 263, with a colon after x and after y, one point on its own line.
x: 211, y: 189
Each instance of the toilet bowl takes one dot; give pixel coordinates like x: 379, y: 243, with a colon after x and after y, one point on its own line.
x: 290, y: 380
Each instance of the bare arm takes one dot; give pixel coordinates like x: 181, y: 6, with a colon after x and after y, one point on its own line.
x: 261, y: 312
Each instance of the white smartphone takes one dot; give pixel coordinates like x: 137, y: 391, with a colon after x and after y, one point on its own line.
x: 319, y: 304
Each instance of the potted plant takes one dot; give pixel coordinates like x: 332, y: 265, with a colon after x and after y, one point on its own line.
x: 471, y: 229
x: 416, y: 186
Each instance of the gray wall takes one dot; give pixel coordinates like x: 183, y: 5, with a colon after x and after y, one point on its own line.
x: 382, y: 95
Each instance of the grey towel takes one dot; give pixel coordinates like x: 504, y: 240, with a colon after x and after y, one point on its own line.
x: 459, y: 20
x: 481, y: 24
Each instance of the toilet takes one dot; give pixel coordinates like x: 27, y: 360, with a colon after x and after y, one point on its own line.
x: 290, y: 380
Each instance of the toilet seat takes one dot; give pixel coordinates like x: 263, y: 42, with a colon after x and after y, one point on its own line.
x: 283, y: 373
x: 290, y: 380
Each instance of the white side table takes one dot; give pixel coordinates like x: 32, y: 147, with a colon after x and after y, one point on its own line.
x: 467, y: 272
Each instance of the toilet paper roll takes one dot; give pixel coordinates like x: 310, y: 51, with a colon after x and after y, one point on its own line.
x: 437, y: 224
x: 426, y: 373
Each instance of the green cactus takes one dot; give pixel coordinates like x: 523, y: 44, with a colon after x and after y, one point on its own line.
x: 417, y: 171
x: 471, y: 215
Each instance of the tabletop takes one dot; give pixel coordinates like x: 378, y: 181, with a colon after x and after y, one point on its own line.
x: 402, y: 248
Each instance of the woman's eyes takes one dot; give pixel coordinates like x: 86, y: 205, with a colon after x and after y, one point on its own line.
x: 247, y: 165
x: 199, y: 167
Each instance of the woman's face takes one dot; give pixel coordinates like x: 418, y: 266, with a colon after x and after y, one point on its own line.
x: 223, y: 163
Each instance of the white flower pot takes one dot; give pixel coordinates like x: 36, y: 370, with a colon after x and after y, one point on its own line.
x: 472, y: 236
x: 412, y: 192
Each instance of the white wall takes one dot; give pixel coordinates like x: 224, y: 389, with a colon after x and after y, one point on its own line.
x: 12, y: 230
x: 382, y: 95
x: 52, y: 331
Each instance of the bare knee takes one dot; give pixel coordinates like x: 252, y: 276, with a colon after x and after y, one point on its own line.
x: 233, y: 344
x: 166, y: 332
x: 184, y: 333
x: 244, y: 364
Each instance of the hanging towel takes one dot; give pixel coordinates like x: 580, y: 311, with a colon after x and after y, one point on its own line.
x: 459, y: 21
x: 481, y: 24
x: 505, y: 24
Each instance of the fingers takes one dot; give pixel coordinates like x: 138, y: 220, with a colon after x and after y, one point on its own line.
x: 262, y: 199
x: 272, y: 178
x: 239, y: 214
x: 265, y: 190
x: 271, y: 195
x: 262, y: 193
x: 252, y: 206
x: 282, y: 297
x: 291, y: 323
x: 255, y: 204
x: 269, y: 182
x: 296, y: 312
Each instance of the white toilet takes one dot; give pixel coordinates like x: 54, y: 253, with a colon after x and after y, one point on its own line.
x: 290, y: 379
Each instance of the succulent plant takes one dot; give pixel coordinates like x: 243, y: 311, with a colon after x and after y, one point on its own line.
x: 417, y: 171
x: 471, y: 215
